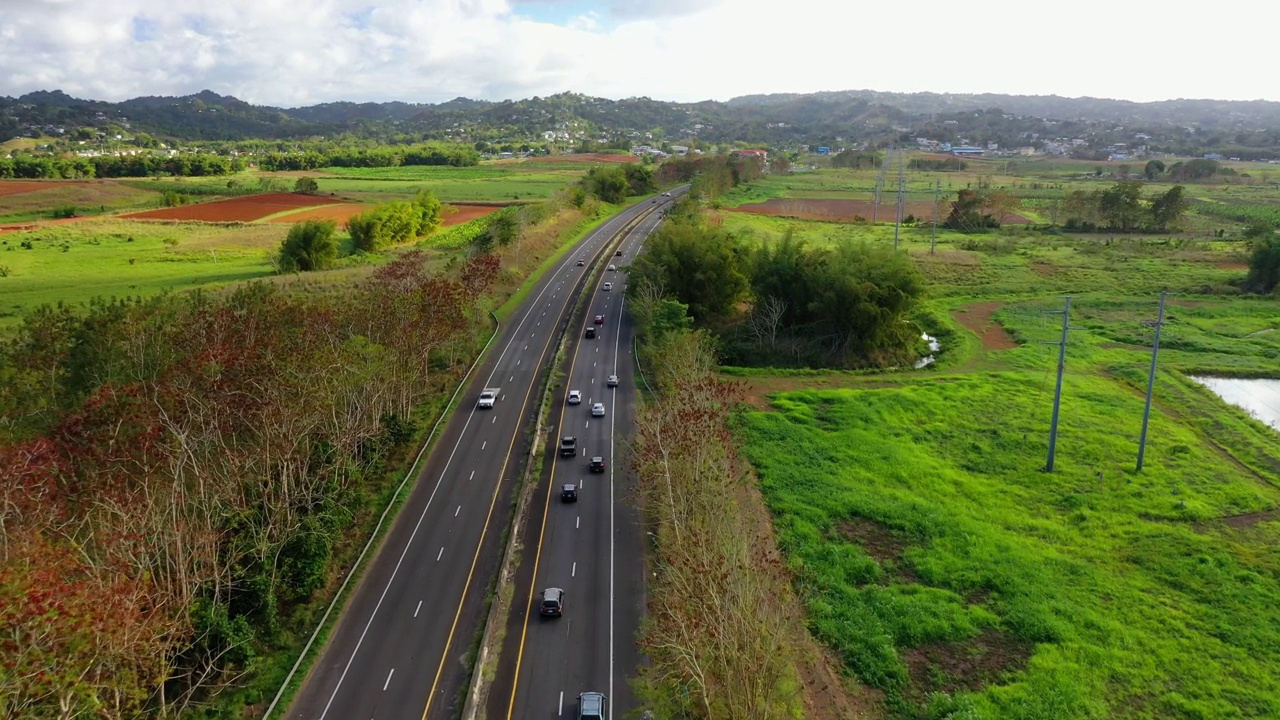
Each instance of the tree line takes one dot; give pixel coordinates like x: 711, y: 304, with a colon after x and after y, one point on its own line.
x: 37, y: 167
x: 177, y: 472
x: 782, y: 303
x: 615, y: 183
x: 711, y: 175
x: 452, y: 154
x: 1122, y: 208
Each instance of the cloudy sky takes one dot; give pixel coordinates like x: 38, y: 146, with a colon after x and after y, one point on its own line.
x: 298, y: 52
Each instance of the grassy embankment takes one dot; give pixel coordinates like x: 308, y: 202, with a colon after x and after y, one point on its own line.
x: 944, y: 568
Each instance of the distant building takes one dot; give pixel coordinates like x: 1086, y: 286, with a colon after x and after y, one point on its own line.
x: 680, y: 149
x: 1213, y: 156
x: 824, y: 150
x: 762, y: 154
x: 968, y: 150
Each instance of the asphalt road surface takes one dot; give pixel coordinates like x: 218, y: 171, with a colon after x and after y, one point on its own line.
x: 593, y: 548
x: 398, y: 650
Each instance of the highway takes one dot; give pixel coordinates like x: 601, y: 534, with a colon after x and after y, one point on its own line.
x: 593, y: 548
x: 398, y: 650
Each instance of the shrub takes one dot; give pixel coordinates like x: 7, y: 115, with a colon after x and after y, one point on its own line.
x: 63, y: 211
x: 310, y: 245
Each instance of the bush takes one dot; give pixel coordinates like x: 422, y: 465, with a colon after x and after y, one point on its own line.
x: 306, y: 186
x: 63, y: 211
x: 1264, y: 260
x: 310, y: 245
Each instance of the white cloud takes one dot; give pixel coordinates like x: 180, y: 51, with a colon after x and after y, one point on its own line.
x: 282, y: 52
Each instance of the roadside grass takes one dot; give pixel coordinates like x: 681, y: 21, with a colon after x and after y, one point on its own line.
x: 919, y: 525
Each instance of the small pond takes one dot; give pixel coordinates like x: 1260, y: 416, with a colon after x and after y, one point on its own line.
x: 934, y: 347
x: 1259, y: 398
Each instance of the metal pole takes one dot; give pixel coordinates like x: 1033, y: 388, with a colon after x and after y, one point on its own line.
x: 902, y: 180
x: 1151, y: 383
x: 1057, y: 393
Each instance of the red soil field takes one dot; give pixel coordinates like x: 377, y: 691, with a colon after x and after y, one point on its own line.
x: 467, y: 213
x: 846, y: 210
x: 586, y: 157
x: 15, y: 187
x: 238, y: 209
x: 978, y: 318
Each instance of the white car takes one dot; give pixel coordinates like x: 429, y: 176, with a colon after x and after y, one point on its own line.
x: 575, y: 397
x: 597, y: 410
x: 607, y: 287
x: 612, y: 268
x: 612, y: 381
x: 487, y: 398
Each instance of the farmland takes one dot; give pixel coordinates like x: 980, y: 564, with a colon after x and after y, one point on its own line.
x: 932, y: 554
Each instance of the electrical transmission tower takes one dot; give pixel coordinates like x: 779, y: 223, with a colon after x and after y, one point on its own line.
x: 884, y: 168
x: 902, y: 196
x: 937, y: 199
x: 1065, y: 312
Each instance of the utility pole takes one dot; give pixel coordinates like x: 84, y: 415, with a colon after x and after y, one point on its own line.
x: 937, y: 198
x: 1151, y: 383
x: 902, y: 195
x: 1057, y: 393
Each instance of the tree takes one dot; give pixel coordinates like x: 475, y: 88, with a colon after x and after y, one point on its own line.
x: 696, y: 265
x: 431, y: 211
x: 306, y: 186
x: 1167, y: 209
x: 967, y: 213
x: 310, y: 245
x: 1264, y: 259
x: 1120, y: 206
x: 607, y: 183
x: 1153, y: 169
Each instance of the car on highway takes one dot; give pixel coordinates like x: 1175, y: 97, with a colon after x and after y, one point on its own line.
x: 574, y: 398
x: 618, y: 253
x: 581, y: 263
x: 568, y: 446
x: 593, y: 706
x: 597, y: 464
x: 597, y: 410
x: 569, y: 493
x: 599, y: 320
x: 552, y: 604
x: 613, y: 268
x: 591, y: 332
x: 612, y: 381
x: 487, y: 399
x: 608, y: 286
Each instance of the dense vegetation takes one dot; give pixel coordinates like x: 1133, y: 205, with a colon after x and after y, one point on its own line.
x: 395, y: 222
x: 178, y: 471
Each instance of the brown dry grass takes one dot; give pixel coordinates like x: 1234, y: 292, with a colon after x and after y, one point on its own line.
x: 978, y: 318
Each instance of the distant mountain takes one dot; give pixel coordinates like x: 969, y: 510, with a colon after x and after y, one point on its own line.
x: 829, y: 118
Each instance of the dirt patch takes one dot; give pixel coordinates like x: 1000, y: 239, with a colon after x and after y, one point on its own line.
x: 1242, y: 267
x: 828, y: 695
x: 845, y: 210
x: 586, y: 157
x: 978, y: 318
x: 1043, y: 269
x: 466, y: 213
x: 237, y: 209
x: 968, y: 665
x: 1248, y: 520
x: 875, y: 539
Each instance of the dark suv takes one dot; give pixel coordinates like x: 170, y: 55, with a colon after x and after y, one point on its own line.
x: 569, y: 493
x: 597, y: 464
x: 568, y: 446
x: 552, y: 604
x: 591, y: 332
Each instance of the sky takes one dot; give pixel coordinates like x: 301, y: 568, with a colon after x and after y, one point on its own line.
x: 290, y: 53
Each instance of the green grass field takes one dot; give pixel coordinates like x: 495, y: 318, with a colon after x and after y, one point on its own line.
x: 75, y: 262
x: 942, y: 565
x: 507, y: 182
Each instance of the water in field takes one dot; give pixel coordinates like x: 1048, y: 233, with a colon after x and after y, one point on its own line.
x: 1259, y: 398
x: 933, y: 348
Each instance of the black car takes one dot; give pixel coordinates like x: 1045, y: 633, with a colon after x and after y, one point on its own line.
x: 591, y: 332
x: 618, y: 254
x: 569, y: 493
x: 568, y: 446
x: 597, y: 464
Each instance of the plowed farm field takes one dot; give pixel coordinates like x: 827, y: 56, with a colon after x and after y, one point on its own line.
x: 17, y: 187
x: 848, y: 210
x: 239, y: 209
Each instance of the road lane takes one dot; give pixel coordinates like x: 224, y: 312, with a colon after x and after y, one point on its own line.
x: 398, y: 650
x: 592, y: 549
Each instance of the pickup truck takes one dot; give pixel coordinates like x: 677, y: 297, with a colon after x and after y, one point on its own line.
x: 487, y: 398
x: 568, y: 446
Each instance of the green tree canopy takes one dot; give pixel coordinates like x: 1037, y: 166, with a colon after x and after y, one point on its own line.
x: 1264, y: 259
x: 697, y: 265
